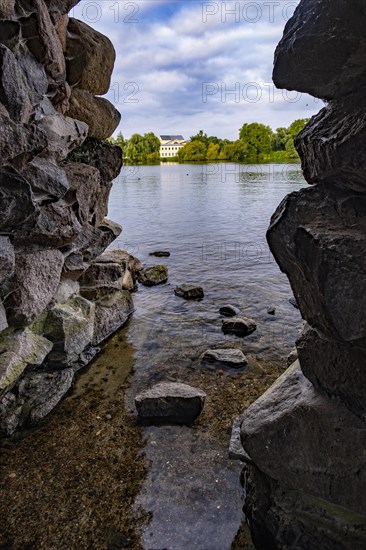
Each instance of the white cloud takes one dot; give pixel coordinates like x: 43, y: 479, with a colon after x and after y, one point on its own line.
x: 173, y: 48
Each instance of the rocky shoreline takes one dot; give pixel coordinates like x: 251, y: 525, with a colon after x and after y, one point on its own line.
x: 61, y: 296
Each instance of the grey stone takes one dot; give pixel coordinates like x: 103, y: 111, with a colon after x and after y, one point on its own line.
x: 170, y: 402
x: 111, y: 312
x: 86, y: 198
x: 306, y: 441
x: 92, y: 241
x: 331, y: 146
x: 155, y: 275
x: 61, y: 6
x: 47, y: 179
x: 16, y: 201
x: 70, y: 327
x: 99, y: 114
x: 63, y: 133
x: 236, y: 449
x: 42, y: 40
x: 35, y: 397
x: 241, y: 326
x: 229, y: 311
x: 337, y: 368
x: 114, y: 255
x: 18, y: 350
x: 127, y: 281
x: 271, y: 311
x: 14, y: 91
x: 189, y: 291
x: 35, y: 281
x: 318, y: 237
x: 90, y: 58
x: 66, y: 289
x: 312, y: 58
x: 53, y: 224
x: 74, y: 265
x: 104, y: 156
x: 7, y: 259
x: 19, y: 143
x: 100, y: 279
x: 234, y: 358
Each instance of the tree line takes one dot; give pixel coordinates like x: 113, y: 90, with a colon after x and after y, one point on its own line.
x: 256, y: 143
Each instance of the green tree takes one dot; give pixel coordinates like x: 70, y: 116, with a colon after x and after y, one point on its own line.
x: 279, y: 139
x: 213, y: 151
x: 258, y: 138
x: 293, y: 130
x: 234, y: 152
x: 153, y: 158
x: 152, y: 143
x: 192, y: 151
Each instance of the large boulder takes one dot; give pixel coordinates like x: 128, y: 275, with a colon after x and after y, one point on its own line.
x: 19, y: 143
x: 47, y: 179
x: 318, y: 237
x: 90, y: 58
x: 63, y: 133
x: 323, y: 49
x: 18, y: 350
x: 7, y: 9
x: 61, y: 6
x: 170, y: 402
x: 111, y: 312
x: 33, y: 398
x: 99, y: 114
x: 17, y: 203
x: 14, y: 90
x: 102, y: 155
x: 307, y: 442
x: 36, y: 278
x: 89, y: 203
x: 100, y: 279
x: 92, y: 241
x: 42, y: 40
x: 331, y: 146
x: 155, y: 275
x: 70, y: 327
x: 335, y: 367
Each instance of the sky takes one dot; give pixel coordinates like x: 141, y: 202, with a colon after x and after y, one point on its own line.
x: 189, y: 65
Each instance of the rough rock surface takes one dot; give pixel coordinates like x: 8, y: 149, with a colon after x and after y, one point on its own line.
x: 233, y: 358
x: 170, y: 402
x: 98, y: 113
x: 241, y: 326
x: 306, y: 480
x: 151, y: 276
x: 323, y: 50
x: 229, y: 311
x: 54, y: 190
x: 189, y: 291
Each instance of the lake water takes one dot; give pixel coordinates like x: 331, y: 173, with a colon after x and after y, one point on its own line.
x: 212, y: 219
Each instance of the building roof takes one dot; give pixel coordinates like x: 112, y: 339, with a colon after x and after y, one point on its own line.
x: 171, y: 138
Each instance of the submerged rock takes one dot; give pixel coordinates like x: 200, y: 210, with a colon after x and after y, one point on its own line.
x: 241, y: 326
x: 151, y: 276
x: 234, y: 358
x: 160, y: 254
x: 271, y: 311
x: 170, y: 402
x: 189, y: 292
x: 229, y: 311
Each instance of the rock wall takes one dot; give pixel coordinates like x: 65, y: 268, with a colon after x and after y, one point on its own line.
x: 306, y: 437
x: 60, y: 294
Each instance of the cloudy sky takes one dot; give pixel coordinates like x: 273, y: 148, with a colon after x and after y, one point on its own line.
x: 187, y: 65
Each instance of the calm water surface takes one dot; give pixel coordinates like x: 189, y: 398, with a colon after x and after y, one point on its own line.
x: 213, y: 220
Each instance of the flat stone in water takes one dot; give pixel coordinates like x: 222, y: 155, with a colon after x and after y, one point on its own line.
x: 160, y: 254
x: 241, y: 326
x: 234, y: 358
x: 229, y: 311
x: 170, y: 403
x: 189, y: 292
x: 155, y: 275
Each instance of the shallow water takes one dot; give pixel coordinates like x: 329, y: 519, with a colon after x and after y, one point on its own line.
x: 213, y: 220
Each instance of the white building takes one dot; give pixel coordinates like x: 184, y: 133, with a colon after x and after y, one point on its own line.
x: 170, y: 145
